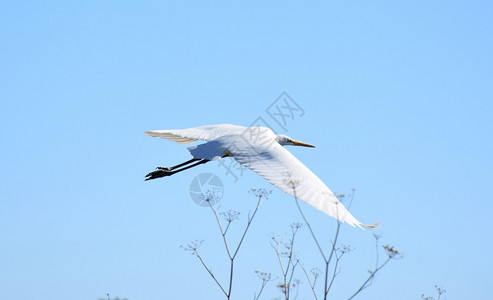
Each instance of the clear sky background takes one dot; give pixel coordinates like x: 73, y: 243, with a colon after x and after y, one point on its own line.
x: 397, y: 98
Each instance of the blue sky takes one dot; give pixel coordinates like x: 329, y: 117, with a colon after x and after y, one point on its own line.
x: 397, y: 99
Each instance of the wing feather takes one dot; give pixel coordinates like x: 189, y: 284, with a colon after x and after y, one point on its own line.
x: 282, y: 169
x: 206, y: 133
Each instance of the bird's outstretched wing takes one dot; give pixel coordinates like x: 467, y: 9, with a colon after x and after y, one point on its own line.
x: 206, y: 133
x: 282, y: 169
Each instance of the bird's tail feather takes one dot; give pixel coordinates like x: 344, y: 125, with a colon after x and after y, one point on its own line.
x: 370, y: 226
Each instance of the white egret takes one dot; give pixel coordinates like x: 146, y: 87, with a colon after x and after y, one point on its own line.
x: 259, y: 149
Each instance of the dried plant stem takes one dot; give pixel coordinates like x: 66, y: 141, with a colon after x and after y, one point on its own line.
x: 210, y: 273
x: 250, y: 219
x: 312, y: 285
x: 334, y: 273
x: 287, y: 270
x: 333, y: 253
x: 264, y: 283
x: 327, y: 261
x: 309, y: 226
x: 391, y: 254
x: 231, y: 255
x: 367, y: 282
x: 266, y: 277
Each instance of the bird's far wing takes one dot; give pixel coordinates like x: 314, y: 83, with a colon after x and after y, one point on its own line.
x: 206, y: 133
x: 282, y: 169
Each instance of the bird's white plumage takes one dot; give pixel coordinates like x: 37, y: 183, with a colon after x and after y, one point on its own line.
x: 257, y: 149
x: 206, y: 133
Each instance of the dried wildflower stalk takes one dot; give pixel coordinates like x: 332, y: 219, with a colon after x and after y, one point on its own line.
x: 229, y: 217
x: 338, y: 253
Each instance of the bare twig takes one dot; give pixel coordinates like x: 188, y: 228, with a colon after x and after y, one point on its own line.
x: 193, y: 247
x: 440, y: 291
x: 223, y: 233
x: 377, y: 237
x: 229, y: 216
x: 288, y: 268
x: 266, y: 277
x: 250, y: 219
x: 342, y: 251
x: 315, y: 276
x: 367, y: 282
x: 327, y: 261
x: 212, y: 274
x: 391, y: 254
x: 309, y: 226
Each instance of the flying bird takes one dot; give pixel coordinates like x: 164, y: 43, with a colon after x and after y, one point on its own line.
x: 262, y: 151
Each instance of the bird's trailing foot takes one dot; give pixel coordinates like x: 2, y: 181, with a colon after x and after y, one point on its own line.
x: 160, y: 172
x: 163, y: 169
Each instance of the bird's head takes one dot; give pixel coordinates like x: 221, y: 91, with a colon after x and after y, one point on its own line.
x: 287, y: 141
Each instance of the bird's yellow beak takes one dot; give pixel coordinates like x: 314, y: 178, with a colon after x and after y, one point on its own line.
x: 300, y: 143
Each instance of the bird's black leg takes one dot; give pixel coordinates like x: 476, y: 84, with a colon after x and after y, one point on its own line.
x: 179, y: 165
x: 162, y: 172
